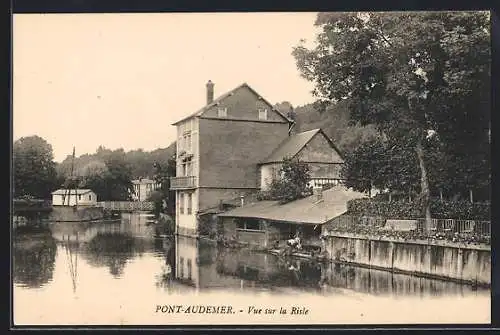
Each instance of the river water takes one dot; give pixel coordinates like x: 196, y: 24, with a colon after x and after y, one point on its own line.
x: 125, y: 273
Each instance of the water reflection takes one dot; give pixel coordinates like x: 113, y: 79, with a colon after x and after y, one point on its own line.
x: 73, y: 253
x: 33, y: 263
x: 204, y: 266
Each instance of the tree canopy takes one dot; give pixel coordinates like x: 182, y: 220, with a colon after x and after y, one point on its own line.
x: 422, y: 79
x: 34, y: 167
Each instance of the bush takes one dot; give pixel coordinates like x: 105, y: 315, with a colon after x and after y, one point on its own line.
x: 401, y: 209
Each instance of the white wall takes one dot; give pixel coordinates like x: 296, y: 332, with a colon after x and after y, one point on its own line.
x: 143, y: 191
x: 187, y: 221
x: 266, y: 175
x: 191, y: 126
x: 187, y: 250
x: 83, y: 199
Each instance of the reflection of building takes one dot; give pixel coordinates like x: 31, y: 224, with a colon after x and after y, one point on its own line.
x: 67, y: 197
x: 204, y: 266
x: 230, y: 147
x: 195, y: 265
x: 143, y: 188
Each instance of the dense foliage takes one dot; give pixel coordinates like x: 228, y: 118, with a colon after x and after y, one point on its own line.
x: 422, y: 80
x: 404, y: 209
x: 292, y: 183
x: 109, y: 173
x: 34, y: 168
x: 164, y: 198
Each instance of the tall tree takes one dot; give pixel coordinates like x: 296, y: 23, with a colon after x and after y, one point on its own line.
x: 412, y: 75
x: 34, y: 167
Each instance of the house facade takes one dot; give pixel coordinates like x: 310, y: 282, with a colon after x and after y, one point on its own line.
x: 233, y: 147
x: 143, y: 187
x: 312, y: 147
x: 80, y: 197
x: 218, y: 148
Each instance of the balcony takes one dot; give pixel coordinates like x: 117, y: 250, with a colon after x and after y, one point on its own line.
x: 182, y: 183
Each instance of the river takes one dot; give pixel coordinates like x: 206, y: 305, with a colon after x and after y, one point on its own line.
x: 123, y: 273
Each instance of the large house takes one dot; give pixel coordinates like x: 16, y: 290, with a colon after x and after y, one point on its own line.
x: 143, y: 187
x: 230, y: 148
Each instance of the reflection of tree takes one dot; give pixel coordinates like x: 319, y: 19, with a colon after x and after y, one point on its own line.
x: 113, y: 250
x: 34, y: 261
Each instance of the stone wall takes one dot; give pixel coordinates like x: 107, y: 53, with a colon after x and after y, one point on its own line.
x: 465, y: 263
x: 71, y: 214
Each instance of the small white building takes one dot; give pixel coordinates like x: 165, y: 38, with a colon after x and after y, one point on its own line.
x: 72, y: 197
x: 143, y: 188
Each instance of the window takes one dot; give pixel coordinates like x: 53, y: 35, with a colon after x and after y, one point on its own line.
x: 181, y: 203
x: 184, y: 169
x: 79, y: 197
x: 262, y: 114
x: 181, y: 267
x: 248, y: 224
x: 189, y: 267
x: 188, y: 142
x: 90, y: 197
x: 189, y: 203
x: 222, y: 112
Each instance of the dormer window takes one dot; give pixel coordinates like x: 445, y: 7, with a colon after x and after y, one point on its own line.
x: 222, y: 112
x: 262, y: 114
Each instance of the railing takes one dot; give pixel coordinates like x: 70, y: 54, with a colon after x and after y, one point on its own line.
x: 127, y: 205
x: 319, y: 182
x: 479, y: 227
x: 447, y: 226
x: 180, y: 183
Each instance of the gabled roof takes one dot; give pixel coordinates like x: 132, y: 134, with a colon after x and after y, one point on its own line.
x: 79, y: 191
x: 305, y: 211
x: 225, y: 95
x: 291, y: 146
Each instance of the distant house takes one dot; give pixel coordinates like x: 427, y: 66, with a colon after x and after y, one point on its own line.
x: 67, y: 197
x: 312, y: 147
x: 265, y: 222
x: 229, y: 148
x: 143, y: 188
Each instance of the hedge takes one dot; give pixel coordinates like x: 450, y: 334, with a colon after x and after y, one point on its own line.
x: 440, y: 209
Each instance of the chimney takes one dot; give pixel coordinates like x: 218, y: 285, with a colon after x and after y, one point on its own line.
x: 210, y: 92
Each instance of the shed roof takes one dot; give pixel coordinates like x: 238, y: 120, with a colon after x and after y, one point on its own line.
x: 305, y: 211
x: 225, y: 95
x: 79, y: 191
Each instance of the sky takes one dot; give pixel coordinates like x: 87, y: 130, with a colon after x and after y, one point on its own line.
x: 121, y: 80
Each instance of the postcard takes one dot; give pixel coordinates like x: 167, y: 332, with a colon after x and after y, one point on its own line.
x: 253, y: 168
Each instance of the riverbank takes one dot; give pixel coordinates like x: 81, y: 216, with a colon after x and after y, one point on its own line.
x: 462, y: 262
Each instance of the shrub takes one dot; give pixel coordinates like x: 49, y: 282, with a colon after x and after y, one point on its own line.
x: 404, y: 209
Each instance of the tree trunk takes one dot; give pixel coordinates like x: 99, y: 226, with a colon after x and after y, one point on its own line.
x: 425, y: 194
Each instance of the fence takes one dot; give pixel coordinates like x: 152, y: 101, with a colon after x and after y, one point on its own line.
x: 353, y: 223
x: 127, y: 205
